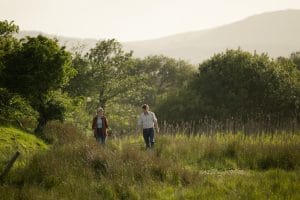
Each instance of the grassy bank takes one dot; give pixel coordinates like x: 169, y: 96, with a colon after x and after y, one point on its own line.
x: 180, y: 167
x: 13, y: 139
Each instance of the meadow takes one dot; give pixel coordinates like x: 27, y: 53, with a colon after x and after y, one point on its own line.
x: 229, y: 124
x: 218, y: 166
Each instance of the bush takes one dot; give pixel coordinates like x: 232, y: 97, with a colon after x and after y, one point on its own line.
x: 61, y: 133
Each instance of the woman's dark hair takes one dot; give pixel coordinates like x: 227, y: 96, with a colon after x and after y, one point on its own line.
x: 145, y: 106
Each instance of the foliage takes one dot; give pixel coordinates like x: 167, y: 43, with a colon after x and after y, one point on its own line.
x: 55, y: 106
x: 35, y: 70
x: 179, y: 106
x: 38, y: 60
x: 161, y: 76
x: 13, y: 107
x: 81, y: 83
x: 124, y: 82
x: 243, y: 86
x: 77, y: 113
x: 295, y: 57
x: 7, y: 43
x: 8, y: 28
x: 58, y: 133
x: 105, y: 68
x: 122, y: 118
x: 239, y: 86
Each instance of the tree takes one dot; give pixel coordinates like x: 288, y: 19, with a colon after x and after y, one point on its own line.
x: 181, y: 105
x: 7, y: 43
x: 12, y: 105
x: 162, y: 75
x: 109, y: 71
x: 242, y: 86
x: 81, y: 84
x: 36, y: 69
x: 295, y: 57
x: 8, y: 28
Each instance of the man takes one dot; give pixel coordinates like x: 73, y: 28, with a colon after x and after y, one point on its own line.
x: 148, y: 121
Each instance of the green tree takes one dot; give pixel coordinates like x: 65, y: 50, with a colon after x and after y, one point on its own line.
x: 109, y: 69
x: 162, y: 75
x: 81, y: 84
x: 181, y: 105
x: 242, y: 86
x: 12, y: 106
x: 7, y: 43
x: 36, y: 69
x: 104, y: 78
x: 8, y: 28
x: 295, y: 57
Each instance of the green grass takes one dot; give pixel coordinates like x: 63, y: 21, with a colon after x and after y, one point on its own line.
x: 180, y: 167
x: 13, y: 139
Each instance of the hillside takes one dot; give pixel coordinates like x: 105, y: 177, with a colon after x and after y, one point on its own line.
x: 13, y: 139
x: 276, y: 33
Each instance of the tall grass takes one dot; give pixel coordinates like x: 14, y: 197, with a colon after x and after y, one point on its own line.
x: 211, y: 126
x: 219, y: 166
x: 233, y: 151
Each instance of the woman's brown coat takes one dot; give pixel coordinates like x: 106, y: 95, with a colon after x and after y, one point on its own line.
x: 104, y: 125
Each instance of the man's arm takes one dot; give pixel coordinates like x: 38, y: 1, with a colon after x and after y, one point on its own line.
x: 155, y: 123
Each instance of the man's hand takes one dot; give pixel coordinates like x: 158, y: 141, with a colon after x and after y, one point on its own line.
x: 157, y: 129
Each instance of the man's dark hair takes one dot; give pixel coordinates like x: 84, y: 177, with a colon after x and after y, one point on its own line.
x: 145, y: 106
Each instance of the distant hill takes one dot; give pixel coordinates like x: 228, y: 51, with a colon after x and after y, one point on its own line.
x: 277, y: 33
x: 69, y: 42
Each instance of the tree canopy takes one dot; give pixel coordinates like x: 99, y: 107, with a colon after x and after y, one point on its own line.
x: 240, y: 86
x: 35, y: 69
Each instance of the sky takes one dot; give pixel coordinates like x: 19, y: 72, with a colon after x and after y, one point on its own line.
x: 131, y: 20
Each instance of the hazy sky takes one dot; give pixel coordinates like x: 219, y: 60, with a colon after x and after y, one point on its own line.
x: 128, y: 20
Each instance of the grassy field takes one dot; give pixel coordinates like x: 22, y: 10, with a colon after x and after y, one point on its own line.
x: 232, y: 166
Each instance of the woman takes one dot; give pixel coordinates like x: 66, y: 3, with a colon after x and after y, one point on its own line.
x: 100, y: 126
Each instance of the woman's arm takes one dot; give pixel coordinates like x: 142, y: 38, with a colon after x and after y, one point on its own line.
x: 94, y: 123
x: 105, y: 121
